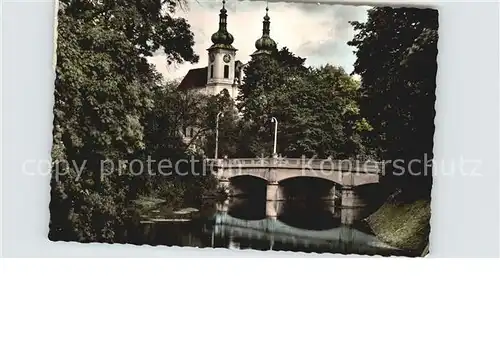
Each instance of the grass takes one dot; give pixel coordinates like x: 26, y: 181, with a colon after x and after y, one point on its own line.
x: 148, y: 202
x: 150, y: 208
x: 403, y: 225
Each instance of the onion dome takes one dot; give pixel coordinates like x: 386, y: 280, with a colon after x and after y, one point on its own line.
x: 222, y: 38
x: 265, y: 44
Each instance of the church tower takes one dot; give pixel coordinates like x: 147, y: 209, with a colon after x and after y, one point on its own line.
x: 221, y: 70
x: 265, y: 45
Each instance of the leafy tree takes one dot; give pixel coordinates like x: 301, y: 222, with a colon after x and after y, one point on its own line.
x: 396, y: 53
x: 229, y: 126
x: 260, y: 73
x: 175, y: 110
x: 104, y: 90
x: 316, y: 108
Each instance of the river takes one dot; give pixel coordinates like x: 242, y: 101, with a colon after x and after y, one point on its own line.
x: 312, y: 226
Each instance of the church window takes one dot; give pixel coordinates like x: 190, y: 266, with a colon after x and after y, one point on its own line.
x: 226, y: 71
x: 211, y: 71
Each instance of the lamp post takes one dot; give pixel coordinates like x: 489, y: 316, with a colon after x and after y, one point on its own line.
x: 273, y: 119
x: 217, y: 135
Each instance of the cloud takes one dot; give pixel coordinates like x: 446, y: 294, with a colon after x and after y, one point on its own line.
x: 318, y: 33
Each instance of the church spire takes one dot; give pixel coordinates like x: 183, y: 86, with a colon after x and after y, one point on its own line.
x: 222, y: 38
x: 267, y: 23
x: 265, y: 45
x: 223, y: 17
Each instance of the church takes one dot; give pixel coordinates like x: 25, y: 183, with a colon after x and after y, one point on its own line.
x: 224, y: 71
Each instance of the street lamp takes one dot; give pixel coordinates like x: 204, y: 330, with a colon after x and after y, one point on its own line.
x: 273, y: 119
x: 217, y: 135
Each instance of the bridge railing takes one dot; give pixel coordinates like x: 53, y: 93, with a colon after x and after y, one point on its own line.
x: 303, y: 163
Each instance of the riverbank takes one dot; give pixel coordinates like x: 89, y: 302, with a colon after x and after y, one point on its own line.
x: 401, y: 223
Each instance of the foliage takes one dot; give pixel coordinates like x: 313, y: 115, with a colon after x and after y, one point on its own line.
x: 316, y: 108
x: 104, y: 90
x: 396, y: 57
x: 177, y: 173
x: 229, y: 126
x: 262, y: 73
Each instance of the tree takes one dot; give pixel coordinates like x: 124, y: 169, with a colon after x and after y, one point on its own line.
x: 396, y: 52
x: 229, y: 125
x: 175, y: 110
x: 316, y: 108
x: 104, y: 90
x: 260, y: 76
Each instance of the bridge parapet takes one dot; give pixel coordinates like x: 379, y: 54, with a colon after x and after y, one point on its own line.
x: 347, y: 166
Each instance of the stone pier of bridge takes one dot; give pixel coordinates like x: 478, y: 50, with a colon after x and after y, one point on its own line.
x: 275, y: 195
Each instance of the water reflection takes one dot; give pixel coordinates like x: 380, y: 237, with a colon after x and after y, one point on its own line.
x: 309, y: 215
x: 303, y: 226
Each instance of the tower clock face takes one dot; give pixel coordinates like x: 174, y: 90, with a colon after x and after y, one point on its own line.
x: 227, y: 58
x: 212, y: 57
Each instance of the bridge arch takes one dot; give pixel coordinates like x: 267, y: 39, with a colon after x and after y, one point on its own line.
x: 332, y: 176
x: 254, y: 175
x: 247, y: 185
x: 230, y: 173
x: 309, y: 178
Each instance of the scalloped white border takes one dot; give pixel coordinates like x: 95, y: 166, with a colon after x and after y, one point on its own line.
x: 464, y: 209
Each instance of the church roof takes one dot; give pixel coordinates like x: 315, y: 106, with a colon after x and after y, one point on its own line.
x: 195, y: 78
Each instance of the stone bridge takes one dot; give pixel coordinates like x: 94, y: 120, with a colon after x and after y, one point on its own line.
x: 347, y: 174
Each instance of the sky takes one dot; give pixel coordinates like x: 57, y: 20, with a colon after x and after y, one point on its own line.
x: 317, y: 32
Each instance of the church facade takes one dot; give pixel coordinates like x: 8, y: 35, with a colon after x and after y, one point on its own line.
x: 224, y: 71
